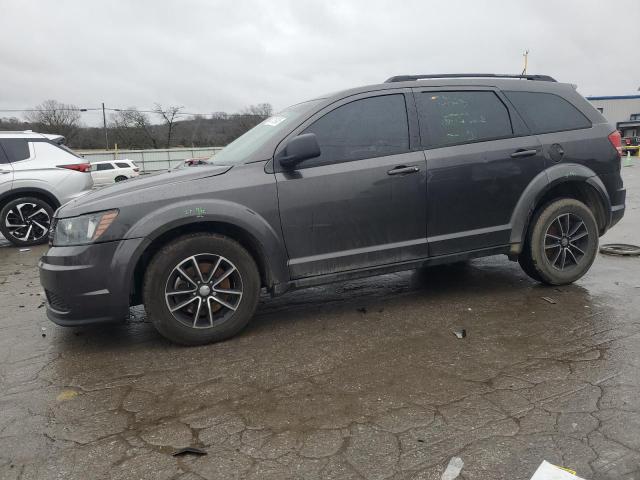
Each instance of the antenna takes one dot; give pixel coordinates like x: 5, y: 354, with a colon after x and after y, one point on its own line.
x: 526, y: 58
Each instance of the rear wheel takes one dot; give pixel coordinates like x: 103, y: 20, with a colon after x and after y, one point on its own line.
x: 26, y: 221
x: 562, y: 242
x: 201, y: 288
x: 120, y: 178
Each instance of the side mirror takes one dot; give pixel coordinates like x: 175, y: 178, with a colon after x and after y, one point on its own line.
x: 302, y: 147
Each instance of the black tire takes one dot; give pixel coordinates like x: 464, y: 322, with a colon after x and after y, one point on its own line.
x: 120, y: 178
x: 561, y: 243
x: 34, y: 212
x: 224, y: 322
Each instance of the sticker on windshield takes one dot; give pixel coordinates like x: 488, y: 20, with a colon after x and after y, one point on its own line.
x: 273, y: 121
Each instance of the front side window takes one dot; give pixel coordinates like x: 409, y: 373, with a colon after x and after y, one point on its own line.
x: 16, y: 149
x: 367, y: 128
x: 546, y: 112
x: 104, y: 166
x: 453, y: 118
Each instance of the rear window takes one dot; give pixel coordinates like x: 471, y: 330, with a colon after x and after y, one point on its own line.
x: 16, y: 148
x: 547, y: 112
x: 458, y: 117
x: 123, y: 165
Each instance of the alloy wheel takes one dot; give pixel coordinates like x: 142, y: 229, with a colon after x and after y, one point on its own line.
x: 565, y: 241
x: 203, y: 290
x: 27, y: 222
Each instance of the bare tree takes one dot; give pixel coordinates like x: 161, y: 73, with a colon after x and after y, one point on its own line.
x: 169, y: 116
x: 52, y: 116
x: 252, y: 115
x: 133, y: 128
x: 262, y: 110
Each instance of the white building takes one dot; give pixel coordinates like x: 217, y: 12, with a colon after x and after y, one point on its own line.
x: 623, y: 111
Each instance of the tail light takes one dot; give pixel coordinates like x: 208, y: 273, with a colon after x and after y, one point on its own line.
x: 136, y: 169
x: 616, y: 140
x: 78, y: 167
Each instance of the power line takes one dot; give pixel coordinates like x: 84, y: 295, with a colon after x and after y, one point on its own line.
x: 82, y: 110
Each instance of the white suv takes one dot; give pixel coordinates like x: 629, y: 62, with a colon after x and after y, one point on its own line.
x: 37, y: 175
x: 104, y: 173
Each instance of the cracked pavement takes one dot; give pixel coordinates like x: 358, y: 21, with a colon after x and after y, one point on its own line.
x: 357, y: 380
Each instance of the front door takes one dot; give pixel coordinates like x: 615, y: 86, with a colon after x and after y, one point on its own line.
x: 480, y: 158
x: 362, y: 202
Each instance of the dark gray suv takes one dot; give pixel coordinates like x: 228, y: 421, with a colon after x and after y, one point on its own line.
x: 416, y: 171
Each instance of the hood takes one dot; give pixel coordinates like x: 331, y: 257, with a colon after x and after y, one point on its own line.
x: 130, y: 191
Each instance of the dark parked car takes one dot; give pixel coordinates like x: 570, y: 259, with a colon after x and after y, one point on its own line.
x: 416, y: 171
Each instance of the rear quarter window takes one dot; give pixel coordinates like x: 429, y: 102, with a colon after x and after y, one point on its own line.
x: 16, y: 149
x: 547, y: 112
x: 123, y: 165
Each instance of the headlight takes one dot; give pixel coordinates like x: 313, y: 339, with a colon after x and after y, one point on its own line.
x: 83, y: 229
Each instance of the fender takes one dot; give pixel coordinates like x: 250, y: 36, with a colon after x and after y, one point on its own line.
x: 201, y: 211
x: 540, y: 185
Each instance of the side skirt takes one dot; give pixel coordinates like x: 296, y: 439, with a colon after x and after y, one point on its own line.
x: 389, y: 268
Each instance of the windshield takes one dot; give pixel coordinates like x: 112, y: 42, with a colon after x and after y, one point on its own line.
x: 243, y: 147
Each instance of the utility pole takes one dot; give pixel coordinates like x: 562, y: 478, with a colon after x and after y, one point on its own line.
x: 526, y: 58
x: 104, y: 123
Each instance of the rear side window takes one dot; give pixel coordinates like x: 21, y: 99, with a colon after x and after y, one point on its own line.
x: 546, y: 112
x: 367, y: 128
x: 453, y: 118
x: 16, y: 149
x: 123, y: 165
x: 104, y: 166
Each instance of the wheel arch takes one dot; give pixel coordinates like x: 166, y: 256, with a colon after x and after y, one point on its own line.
x: 562, y: 180
x: 270, y: 275
x: 29, y: 192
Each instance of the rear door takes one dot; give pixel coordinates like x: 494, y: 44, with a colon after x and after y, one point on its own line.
x: 104, y: 173
x: 362, y: 202
x: 6, y: 171
x: 480, y: 158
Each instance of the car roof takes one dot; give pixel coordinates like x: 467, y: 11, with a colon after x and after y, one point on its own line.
x: 29, y: 134
x: 522, y: 84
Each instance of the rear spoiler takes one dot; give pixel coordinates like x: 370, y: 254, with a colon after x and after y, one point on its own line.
x: 58, y: 139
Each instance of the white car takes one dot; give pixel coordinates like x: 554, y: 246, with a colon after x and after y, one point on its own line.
x: 104, y: 173
x: 37, y: 175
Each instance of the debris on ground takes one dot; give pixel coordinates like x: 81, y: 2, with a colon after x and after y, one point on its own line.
x: 43, y: 329
x: 185, y: 450
x: 460, y: 333
x: 453, y: 469
x: 362, y: 310
x: 549, y: 300
x: 25, y: 249
x: 621, y: 249
x: 66, y: 395
x: 548, y: 471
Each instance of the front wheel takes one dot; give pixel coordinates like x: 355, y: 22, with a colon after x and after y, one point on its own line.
x: 562, y: 242
x: 201, y: 288
x: 26, y: 221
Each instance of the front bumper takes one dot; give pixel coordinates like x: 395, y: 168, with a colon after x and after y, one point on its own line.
x: 89, y: 283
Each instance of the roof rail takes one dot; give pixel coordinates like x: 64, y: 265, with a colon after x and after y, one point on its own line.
x: 407, y: 78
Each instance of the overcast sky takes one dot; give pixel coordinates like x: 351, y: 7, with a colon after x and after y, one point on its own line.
x: 223, y: 55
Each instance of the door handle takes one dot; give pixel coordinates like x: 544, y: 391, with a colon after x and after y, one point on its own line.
x: 402, y: 170
x: 524, y: 153
x: 2, y: 172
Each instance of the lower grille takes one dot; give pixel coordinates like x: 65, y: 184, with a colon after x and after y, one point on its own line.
x: 57, y: 302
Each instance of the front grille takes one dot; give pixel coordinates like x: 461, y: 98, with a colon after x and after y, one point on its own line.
x: 57, y: 302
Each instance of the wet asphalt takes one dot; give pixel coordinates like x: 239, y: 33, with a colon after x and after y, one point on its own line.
x: 363, y: 379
